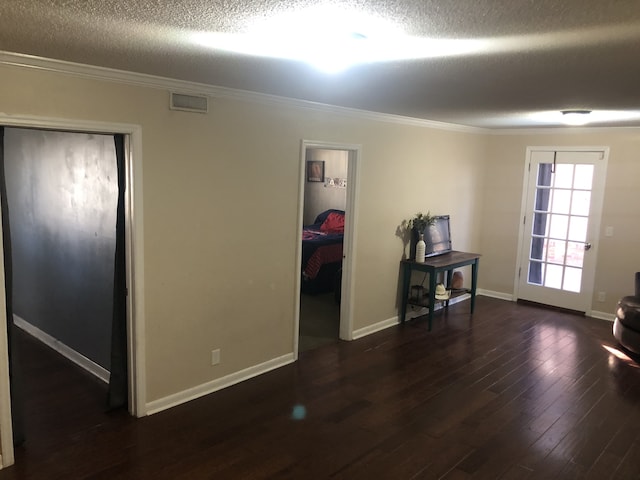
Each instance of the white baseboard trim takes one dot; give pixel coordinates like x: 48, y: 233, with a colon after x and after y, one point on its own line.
x: 376, y: 327
x: 411, y: 313
x: 193, y: 393
x: 493, y: 294
x: 610, y: 317
x: 64, y: 350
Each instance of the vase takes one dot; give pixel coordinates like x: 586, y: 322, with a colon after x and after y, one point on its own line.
x: 420, y: 249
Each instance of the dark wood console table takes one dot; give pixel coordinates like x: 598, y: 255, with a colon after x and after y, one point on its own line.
x: 433, y: 266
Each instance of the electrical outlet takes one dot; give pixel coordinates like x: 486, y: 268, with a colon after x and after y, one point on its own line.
x: 602, y: 297
x: 215, y: 356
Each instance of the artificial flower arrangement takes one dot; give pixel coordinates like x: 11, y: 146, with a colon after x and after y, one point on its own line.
x: 420, y: 221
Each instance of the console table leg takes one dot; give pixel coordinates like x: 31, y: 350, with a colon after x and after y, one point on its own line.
x: 406, y: 280
x: 432, y: 296
x: 474, y: 282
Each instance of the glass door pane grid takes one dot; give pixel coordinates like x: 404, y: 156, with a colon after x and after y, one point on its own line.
x: 547, y: 265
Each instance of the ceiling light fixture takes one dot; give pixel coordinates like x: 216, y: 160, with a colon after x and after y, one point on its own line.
x: 333, y: 39
x: 575, y: 117
x: 596, y: 117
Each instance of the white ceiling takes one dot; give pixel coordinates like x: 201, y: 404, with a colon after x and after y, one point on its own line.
x: 541, y: 55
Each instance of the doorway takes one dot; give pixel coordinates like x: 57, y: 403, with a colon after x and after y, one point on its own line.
x: 327, y: 212
x: 562, y: 206
x: 131, y: 178
x: 62, y: 195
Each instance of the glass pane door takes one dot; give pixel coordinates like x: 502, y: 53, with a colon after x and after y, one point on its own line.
x: 559, y: 229
x: 561, y: 221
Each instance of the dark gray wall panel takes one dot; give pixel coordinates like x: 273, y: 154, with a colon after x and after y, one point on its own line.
x: 62, y: 195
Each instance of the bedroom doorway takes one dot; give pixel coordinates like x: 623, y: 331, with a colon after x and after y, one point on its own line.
x: 326, y: 219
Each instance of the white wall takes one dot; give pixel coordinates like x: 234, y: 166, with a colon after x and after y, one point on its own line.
x: 220, y: 242
x: 618, y: 256
x: 318, y: 196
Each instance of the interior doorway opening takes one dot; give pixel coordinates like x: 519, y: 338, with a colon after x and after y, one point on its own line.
x: 61, y: 196
x: 325, y: 260
x: 126, y: 139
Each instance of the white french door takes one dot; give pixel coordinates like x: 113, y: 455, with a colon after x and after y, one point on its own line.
x: 561, y: 227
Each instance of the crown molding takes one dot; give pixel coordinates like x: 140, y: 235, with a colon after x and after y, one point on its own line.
x: 183, y: 86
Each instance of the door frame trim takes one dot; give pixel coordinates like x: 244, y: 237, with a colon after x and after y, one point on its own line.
x: 349, y: 250
x: 134, y: 239
x: 523, y: 207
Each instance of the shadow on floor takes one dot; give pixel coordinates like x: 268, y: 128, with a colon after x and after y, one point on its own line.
x: 319, y: 321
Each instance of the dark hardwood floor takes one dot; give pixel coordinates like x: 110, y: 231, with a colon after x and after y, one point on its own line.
x: 319, y: 321
x: 516, y: 392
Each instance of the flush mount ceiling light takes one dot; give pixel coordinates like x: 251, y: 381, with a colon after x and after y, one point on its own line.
x: 601, y: 117
x: 575, y: 117
x: 332, y: 39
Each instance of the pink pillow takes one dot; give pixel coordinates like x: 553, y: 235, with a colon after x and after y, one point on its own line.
x: 334, y: 223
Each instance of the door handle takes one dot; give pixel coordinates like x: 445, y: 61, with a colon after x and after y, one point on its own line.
x: 587, y: 246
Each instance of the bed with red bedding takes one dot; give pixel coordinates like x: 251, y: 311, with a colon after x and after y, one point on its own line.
x: 322, y: 252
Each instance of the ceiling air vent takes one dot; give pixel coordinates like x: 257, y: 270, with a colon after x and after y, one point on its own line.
x: 188, y: 103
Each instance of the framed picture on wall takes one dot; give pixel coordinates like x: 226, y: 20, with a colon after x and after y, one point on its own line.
x: 315, y: 171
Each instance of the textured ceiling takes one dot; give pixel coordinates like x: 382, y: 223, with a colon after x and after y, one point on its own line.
x: 541, y: 55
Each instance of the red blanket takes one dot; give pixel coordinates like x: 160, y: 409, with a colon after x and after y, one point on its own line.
x: 325, y: 254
